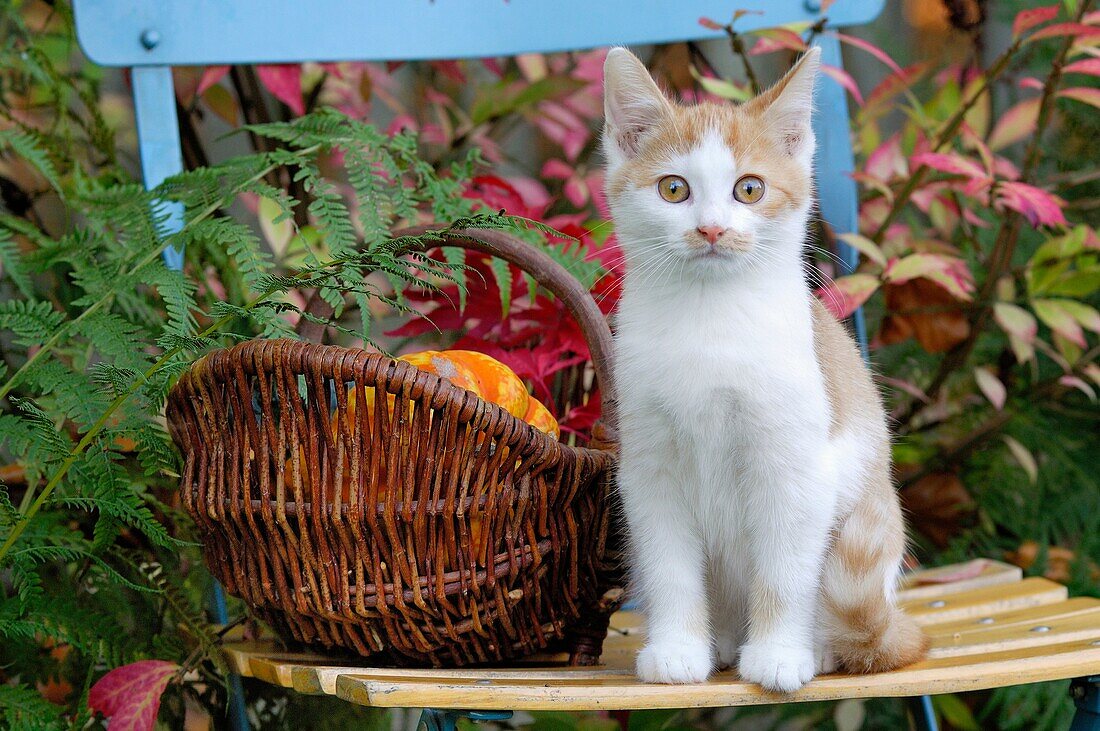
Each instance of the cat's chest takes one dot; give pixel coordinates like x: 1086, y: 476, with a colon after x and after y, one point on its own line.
x: 718, y: 345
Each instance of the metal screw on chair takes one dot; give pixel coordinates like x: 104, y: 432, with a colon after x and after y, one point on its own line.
x: 1041, y: 628
x: 150, y: 39
x: 937, y: 604
x: 985, y: 620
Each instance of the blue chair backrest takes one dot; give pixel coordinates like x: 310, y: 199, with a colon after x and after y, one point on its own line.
x: 152, y: 36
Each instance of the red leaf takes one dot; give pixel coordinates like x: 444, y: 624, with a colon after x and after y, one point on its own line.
x: 1040, y: 207
x: 1088, y: 95
x: 210, y: 76
x: 846, y: 294
x: 1090, y: 66
x: 1079, y: 30
x: 843, y: 78
x: 871, y: 49
x: 1028, y: 19
x: 949, y: 162
x: 284, y: 81
x: 710, y: 24
x: 130, y: 695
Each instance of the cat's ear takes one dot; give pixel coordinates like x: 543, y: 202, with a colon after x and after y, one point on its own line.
x: 787, y: 106
x: 632, y: 103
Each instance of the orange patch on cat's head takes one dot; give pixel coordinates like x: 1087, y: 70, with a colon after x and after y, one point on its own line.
x: 765, y: 136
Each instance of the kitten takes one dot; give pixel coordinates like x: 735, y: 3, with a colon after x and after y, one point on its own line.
x: 764, y: 531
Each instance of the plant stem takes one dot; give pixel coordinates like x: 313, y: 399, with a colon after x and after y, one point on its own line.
x: 738, y: 46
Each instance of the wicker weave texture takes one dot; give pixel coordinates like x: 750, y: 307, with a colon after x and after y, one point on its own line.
x: 459, y: 535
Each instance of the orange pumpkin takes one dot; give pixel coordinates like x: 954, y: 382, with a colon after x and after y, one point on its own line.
x: 442, y: 364
x: 483, y: 375
x: 540, y: 417
x: 496, y: 382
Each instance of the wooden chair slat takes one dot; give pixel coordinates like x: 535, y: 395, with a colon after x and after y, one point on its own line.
x: 1029, y: 617
x: 928, y: 583
x: 987, y: 600
x: 621, y: 691
x: 1081, y: 626
x: 967, y: 654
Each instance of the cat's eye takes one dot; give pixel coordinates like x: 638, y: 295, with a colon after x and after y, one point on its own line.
x: 749, y: 189
x: 673, y: 188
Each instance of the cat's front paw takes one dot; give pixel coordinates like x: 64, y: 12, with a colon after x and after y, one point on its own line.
x: 777, y: 667
x: 674, y: 662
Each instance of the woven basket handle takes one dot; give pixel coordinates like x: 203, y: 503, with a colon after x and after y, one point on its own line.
x: 549, y: 274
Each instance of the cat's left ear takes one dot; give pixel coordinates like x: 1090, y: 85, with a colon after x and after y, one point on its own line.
x: 788, y: 106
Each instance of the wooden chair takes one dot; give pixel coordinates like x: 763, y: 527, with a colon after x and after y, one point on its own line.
x: 991, y: 629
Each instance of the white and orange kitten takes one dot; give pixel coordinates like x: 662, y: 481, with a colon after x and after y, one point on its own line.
x: 764, y: 531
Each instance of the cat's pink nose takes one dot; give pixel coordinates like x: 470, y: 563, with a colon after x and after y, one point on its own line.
x: 711, y: 233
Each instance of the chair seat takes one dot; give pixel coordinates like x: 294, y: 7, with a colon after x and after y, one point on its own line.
x: 989, y: 626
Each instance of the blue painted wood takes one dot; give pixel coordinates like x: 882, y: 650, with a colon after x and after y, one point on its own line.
x: 203, y: 32
x: 159, y: 141
x: 836, y: 190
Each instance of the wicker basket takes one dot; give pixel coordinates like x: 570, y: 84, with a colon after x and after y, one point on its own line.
x: 467, y: 536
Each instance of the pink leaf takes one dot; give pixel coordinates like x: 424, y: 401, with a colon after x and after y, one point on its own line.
x: 893, y: 85
x: 1079, y: 30
x: 949, y: 272
x: 284, y: 81
x: 1016, y: 321
x: 555, y: 168
x: 210, y: 76
x: 991, y: 386
x: 776, y: 39
x: 908, y: 387
x: 949, y: 162
x: 1085, y: 314
x: 576, y: 191
x: 1060, y: 320
x: 130, y: 695
x: 843, y: 78
x: 1088, y: 95
x: 1080, y: 385
x: 887, y: 161
x: 846, y: 294
x: 710, y: 24
x: 1037, y: 205
x: 1030, y: 82
x: 871, y: 49
x: 967, y: 570
x: 1021, y: 327
x: 1015, y: 125
x: 1028, y: 19
x: 1090, y: 66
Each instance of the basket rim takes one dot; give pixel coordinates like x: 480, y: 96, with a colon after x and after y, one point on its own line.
x: 259, y: 355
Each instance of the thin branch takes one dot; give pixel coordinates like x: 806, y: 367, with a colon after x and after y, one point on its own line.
x: 738, y: 46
